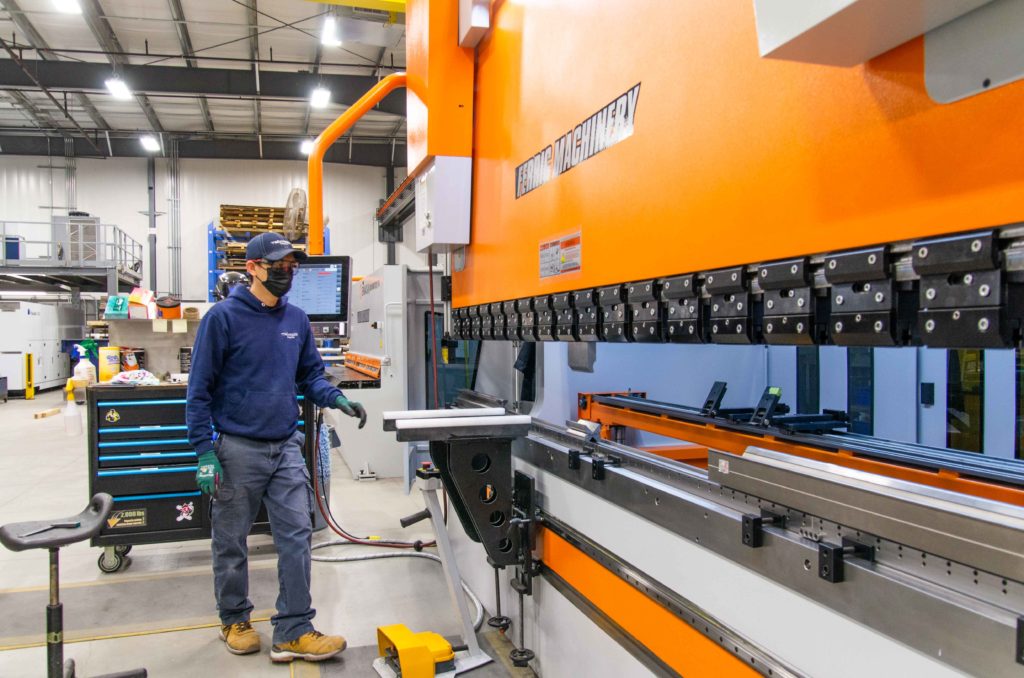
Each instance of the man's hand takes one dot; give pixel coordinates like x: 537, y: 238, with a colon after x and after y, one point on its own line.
x: 351, y: 408
x: 209, y: 475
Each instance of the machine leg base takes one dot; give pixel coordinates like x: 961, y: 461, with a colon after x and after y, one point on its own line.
x: 502, y: 623
x: 463, y: 662
x: 521, y: 657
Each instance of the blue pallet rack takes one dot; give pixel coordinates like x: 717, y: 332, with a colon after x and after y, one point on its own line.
x: 215, y: 235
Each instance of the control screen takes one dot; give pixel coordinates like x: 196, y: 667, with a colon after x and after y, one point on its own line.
x: 320, y: 290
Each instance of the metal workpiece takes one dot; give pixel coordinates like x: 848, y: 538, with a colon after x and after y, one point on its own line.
x: 933, y: 616
x: 467, y: 398
x: 985, y: 534
x: 390, y: 417
x: 448, y: 428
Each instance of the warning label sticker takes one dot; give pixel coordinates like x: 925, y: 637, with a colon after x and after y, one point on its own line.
x: 563, y: 255
x: 127, y: 518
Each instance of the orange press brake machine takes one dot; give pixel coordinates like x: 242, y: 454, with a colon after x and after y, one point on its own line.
x: 645, y: 209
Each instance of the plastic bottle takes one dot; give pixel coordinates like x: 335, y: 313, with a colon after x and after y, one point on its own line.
x: 72, y: 417
x: 110, y: 362
x: 85, y: 373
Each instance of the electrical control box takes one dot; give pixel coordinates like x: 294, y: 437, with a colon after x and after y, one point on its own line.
x: 443, y: 203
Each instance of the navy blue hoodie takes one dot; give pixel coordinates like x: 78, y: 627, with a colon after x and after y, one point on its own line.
x: 247, y: 360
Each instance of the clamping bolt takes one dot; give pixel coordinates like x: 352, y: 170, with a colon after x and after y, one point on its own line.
x: 753, y: 527
x: 831, y: 558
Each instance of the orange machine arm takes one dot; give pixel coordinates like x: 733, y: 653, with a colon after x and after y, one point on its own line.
x: 324, y: 141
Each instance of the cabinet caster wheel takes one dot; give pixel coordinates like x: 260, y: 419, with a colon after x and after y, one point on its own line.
x: 123, y: 549
x: 112, y: 563
x: 521, y: 657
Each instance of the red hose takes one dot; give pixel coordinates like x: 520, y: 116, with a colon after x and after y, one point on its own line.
x: 325, y: 510
x: 433, y: 325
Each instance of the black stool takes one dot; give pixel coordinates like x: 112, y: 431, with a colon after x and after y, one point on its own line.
x: 52, y: 534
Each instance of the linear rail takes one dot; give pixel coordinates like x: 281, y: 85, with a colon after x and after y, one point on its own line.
x: 997, y: 479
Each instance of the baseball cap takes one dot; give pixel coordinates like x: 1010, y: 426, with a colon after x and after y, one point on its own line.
x: 272, y: 247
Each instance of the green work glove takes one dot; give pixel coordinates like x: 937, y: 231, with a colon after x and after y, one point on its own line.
x: 351, y: 408
x: 209, y: 475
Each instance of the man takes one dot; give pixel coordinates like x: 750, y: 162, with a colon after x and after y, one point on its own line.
x: 250, y: 352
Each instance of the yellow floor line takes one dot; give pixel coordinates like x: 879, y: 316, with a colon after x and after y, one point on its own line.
x: 127, y: 634
x: 304, y: 669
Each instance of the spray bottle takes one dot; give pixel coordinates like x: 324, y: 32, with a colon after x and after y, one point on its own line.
x: 72, y: 417
x: 85, y: 372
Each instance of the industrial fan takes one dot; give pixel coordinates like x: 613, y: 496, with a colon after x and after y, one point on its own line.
x: 295, y: 214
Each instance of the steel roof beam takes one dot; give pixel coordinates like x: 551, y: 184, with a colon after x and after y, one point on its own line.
x: 364, y: 152
x: 104, y: 34
x: 252, y: 20
x: 16, y: 60
x: 185, y: 40
x: 314, y: 70
x: 76, y: 76
x: 37, y: 41
x: 38, y: 116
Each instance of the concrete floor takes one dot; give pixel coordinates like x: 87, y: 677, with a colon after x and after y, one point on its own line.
x: 160, y: 612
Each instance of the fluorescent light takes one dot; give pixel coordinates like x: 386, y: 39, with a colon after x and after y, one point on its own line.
x: 150, y: 143
x: 329, y: 34
x: 118, y: 88
x: 320, y: 98
x: 306, y: 147
x: 67, y: 6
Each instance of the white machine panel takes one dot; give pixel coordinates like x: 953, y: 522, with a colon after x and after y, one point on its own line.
x: 847, y: 32
x: 36, y: 329
x: 442, y: 203
x: 387, y: 320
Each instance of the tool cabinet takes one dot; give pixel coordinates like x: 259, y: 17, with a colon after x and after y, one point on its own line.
x: 139, y: 454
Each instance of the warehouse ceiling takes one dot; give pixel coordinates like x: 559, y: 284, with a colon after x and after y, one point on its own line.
x: 207, y: 78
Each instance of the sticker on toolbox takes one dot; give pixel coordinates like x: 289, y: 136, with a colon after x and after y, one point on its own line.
x: 562, y: 255
x: 127, y: 518
x: 113, y: 416
x: 185, y: 511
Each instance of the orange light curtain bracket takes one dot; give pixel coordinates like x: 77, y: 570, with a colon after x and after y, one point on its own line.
x: 320, y: 145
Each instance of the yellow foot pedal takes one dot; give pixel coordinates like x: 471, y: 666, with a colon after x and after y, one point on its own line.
x: 413, y: 655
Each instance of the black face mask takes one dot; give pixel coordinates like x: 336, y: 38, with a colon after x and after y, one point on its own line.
x: 278, y: 282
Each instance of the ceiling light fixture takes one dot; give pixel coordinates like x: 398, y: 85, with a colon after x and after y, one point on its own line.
x: 118, y: 88
x: 320, y: 98
x: 329, y: 34
x: 67, y: 6
x: 150, y: 143
x: 306, y: 147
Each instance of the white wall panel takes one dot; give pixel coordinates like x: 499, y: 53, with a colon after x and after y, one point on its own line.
x: 351, y: 196
x: 115, y: 189
x: 24, y: 188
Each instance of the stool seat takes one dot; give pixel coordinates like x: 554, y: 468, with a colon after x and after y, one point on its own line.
x: 20, y: 537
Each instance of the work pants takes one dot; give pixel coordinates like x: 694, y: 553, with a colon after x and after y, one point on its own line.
x: 275, y: 473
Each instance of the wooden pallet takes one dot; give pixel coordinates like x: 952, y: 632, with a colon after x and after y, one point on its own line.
x: 237, y: 248
x: 235, y: 210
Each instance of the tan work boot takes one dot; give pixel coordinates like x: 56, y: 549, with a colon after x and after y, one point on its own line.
x: 313, y: 647
x: 240, y: 638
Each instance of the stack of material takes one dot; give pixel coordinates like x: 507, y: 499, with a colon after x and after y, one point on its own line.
x: 240, y: 223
